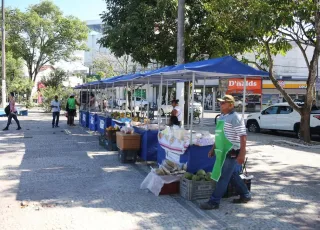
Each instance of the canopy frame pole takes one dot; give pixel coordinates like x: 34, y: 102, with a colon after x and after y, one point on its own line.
x: 112, y: 98
x: 203, y: 98
x: 148, y: 107
x: 160, y: 101
x: 192, y: 106
x: 101, y: 100
x: 131, y: 99
x: 167, y: 98
x: 244, y: 96
x: 89, y: 98
x: 188, y: 117
x: 95, y: 96
x: 135, y: 100
x: 127, y: 99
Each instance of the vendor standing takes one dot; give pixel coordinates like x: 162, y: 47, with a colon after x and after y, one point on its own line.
x: 229, y: 149
x: 176, y: 111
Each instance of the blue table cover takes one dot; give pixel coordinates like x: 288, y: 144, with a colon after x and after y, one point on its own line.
x: 102, y: 123
x: 93, y: 121
x: 196, y: 158
x: 84, y: 116
x: 149, y: 144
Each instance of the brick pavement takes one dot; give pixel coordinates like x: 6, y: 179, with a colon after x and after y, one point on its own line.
x: 52, y: 179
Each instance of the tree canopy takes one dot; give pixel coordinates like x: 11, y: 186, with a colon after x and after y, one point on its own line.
x: 129, y: 29
x: 43, y: 35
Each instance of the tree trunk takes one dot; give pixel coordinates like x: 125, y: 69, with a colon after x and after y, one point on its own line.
x: 305, y: 126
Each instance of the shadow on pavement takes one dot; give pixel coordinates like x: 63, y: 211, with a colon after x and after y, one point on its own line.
x: 72, y: 170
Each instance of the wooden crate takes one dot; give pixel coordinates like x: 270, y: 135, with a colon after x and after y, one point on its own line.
x: 128, y: 141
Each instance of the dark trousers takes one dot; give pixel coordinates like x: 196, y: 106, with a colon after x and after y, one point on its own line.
x: 228, y: 173
x: 55, y: 118
x: 14, y: 116
x: 71, y: 114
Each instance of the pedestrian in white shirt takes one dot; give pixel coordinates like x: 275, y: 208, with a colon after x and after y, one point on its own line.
x: 56, y: 107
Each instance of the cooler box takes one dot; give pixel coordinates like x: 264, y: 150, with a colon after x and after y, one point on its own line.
x: 128, y: 141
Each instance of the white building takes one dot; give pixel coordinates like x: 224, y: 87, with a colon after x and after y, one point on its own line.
x: 121, y: 65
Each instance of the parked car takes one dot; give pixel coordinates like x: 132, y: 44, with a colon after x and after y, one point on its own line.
x: 121, y: 103
x: 139, y: 102
x: 282, y: 117
x: 166, y: 109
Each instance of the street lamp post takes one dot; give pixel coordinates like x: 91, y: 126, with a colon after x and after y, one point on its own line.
x: 3, y: 58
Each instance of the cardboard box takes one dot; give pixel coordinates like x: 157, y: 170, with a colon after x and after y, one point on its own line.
x: 128, y: 141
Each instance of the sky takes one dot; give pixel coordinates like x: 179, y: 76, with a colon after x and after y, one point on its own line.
x: 83, y: 9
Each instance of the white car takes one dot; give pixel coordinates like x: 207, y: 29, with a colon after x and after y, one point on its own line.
x: 282, y: 117
x: 139, y: 102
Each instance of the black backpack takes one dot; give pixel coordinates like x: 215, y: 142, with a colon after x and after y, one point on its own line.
x: 7, y: 110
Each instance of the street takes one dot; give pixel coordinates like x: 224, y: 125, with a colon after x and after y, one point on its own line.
x: 62, y: 179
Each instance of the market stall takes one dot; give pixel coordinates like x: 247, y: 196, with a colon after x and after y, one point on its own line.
x: 149, y: 143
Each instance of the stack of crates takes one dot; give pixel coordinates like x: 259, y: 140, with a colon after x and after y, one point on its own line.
x: 111, y: 140
x: 129, y: 146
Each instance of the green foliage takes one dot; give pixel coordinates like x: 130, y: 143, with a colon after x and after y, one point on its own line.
x: 49, y: 93
x: 129, y: 30
x: 103, y: 67
x: 55, y: 78
x: 42, y: 35
x: 91, y: 78
x: 21, y: 85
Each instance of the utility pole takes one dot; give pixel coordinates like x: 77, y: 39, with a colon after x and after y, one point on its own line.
x: 181, y: 89
x: 180, y: 38
x: 4, y: 95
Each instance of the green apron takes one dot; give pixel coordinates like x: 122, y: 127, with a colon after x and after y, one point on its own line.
x: 71, y: 103
x: 223, y: 146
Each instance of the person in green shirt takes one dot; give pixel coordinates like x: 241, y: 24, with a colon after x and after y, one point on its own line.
x: 71, y: 109
x: 229, y: 149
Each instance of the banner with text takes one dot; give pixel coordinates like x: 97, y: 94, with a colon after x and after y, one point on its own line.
x: 254, y: 86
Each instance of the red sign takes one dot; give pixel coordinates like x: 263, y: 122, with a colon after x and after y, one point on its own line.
x: 254, y: 86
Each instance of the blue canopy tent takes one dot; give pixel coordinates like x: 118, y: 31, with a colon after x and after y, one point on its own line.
x: 218, y: 68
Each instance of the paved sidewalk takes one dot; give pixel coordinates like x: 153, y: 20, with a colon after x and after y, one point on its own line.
x: 61, y: 179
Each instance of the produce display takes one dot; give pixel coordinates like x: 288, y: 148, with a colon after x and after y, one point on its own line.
x: 118, y: 115
x: 111, y: 128
x: 201, y: 175
x: 170, y: 168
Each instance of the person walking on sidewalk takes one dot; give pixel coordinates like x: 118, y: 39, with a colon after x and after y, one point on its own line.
x: 13, y: 113
x: 229, y: 148
x: 56, y: 107
x: 71, y: 109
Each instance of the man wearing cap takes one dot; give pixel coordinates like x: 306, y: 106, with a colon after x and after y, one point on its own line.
x: 229, y: 149
x: 176, y: 112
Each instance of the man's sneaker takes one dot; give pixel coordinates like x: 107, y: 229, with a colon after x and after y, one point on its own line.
x: 5, y: 129
x: 19, y: 128
x: 241, y: 200
x: 208, y: 206
x: 57, y: 126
